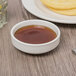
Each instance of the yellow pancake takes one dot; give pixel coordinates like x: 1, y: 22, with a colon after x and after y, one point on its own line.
x: 71, y: 12
x: 60, y: 4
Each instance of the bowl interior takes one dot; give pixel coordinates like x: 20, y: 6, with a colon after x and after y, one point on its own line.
x: 36, y: 22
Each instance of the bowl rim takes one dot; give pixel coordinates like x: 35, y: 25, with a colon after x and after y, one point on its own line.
x: 24, y: 43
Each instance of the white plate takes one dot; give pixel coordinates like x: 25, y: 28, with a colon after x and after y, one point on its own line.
x: 38, y: 9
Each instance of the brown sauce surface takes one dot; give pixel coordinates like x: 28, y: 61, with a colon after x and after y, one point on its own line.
x: 35, y: 34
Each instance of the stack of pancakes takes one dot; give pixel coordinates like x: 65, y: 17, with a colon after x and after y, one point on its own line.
x: 65, y: 7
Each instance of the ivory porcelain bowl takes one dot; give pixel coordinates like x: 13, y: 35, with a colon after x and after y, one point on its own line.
x: 35, y: 48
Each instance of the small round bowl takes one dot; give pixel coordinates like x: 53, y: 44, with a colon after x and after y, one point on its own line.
x: 35, y: 48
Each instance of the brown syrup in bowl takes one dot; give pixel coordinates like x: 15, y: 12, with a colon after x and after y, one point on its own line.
x: 35, y: 34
